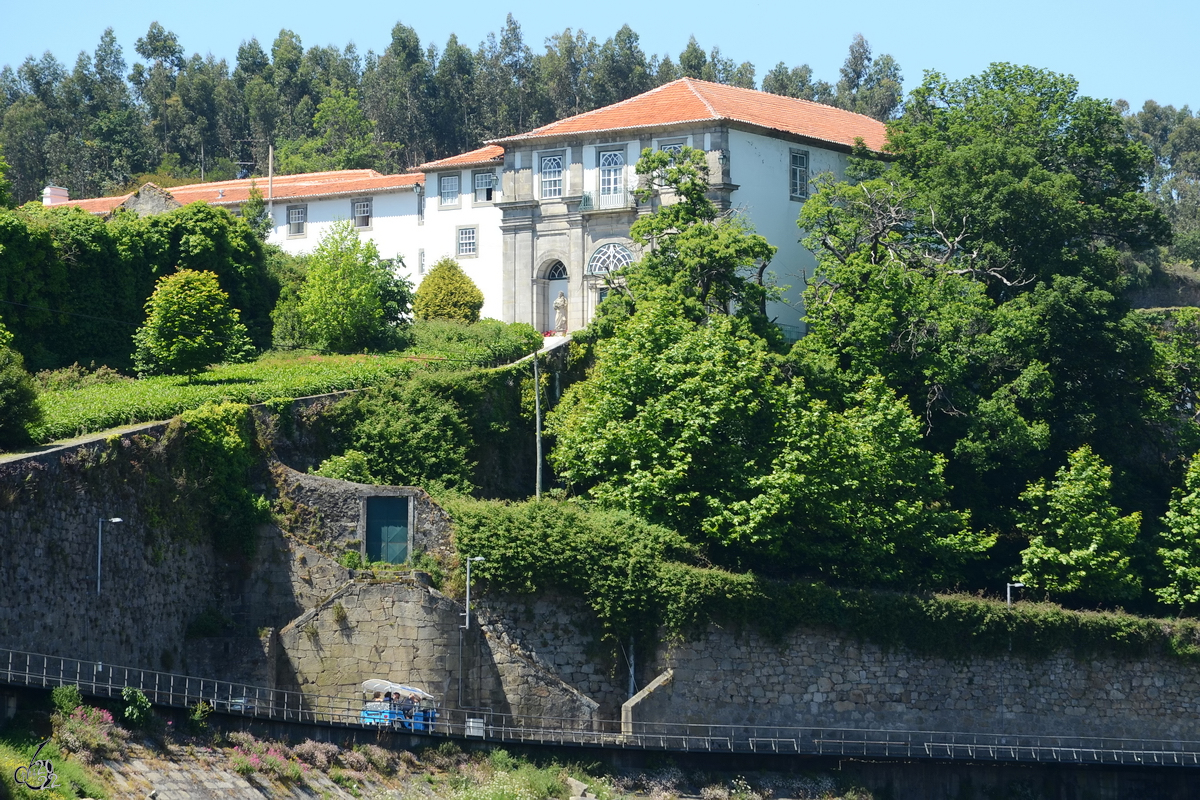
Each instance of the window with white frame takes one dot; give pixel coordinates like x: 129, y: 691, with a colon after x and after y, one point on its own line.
x: 609, y: 258
x: 552, y: 176
x: 799, y: 175
x: 612, y: 178
x: 486, y: 187
x: 448, y: 187
x: 297, y: 220
x: 360, y: 212
x: 468, y: 242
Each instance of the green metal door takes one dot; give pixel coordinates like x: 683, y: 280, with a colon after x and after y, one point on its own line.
x: 387, y: 529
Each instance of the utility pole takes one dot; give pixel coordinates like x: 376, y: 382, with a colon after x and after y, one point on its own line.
x: 537, y: 423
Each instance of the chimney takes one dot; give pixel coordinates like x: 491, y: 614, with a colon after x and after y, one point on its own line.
x: 55, y: 195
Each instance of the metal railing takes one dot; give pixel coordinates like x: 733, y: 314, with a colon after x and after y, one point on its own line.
x: 597, y: 201
x: 260, y: 703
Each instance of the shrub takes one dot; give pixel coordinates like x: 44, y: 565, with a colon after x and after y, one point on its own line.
x: 487, y: 341
x: 354, y: 760
x: 18, y: 397
x: 383, y: 761
x: 447, y: 293
x: 89, y: 733
x: 66, y: 698
x: 351, y: 299
x: 77, y: 377
x: 321, y: 755
x: 138, y: 710
x: 189, y: 325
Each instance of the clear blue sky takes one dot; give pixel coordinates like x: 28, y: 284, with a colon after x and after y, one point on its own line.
x: 1135, y: 51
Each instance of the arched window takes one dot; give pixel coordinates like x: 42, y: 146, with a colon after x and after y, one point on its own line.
x: 557, y: 272
x: 609, y: 257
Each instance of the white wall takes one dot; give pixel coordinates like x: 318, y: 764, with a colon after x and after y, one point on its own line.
x: 761, y: 167
x: 394, y: 226
x: 439, y: 236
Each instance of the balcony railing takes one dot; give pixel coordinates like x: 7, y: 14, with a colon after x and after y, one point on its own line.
x: 595, y: 201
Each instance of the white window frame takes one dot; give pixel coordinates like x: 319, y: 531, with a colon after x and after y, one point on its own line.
x: 798, y: 171
x: 466, y: 241
x: 297, y: 216
x: 612, y: 175
x: 450, y: 190
x: 491, y: 188
x: 610, y: 257
x: 357, y: 205
x: 552, y: 188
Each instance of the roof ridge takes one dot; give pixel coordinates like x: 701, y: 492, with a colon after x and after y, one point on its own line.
x: 618, y: 104
x: 701, y: 97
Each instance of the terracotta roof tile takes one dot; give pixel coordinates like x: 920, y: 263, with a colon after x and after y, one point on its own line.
x: 689, y: 100
x: 489, y: 154
x: 286, y: 187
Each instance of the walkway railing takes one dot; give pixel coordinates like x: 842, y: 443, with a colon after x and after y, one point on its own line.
x: 259, y: 703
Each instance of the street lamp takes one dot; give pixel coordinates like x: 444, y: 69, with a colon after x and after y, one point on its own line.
x: 1012, y: 586
x: 100, y: 546
x: 468, y: 611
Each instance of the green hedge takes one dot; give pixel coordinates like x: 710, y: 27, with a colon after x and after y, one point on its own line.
x: 637, y: 578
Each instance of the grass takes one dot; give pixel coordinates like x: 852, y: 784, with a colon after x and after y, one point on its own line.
x: 73, y: 779
x: 74, y: 412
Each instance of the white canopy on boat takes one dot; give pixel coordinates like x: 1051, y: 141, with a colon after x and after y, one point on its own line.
x: 380, y: 685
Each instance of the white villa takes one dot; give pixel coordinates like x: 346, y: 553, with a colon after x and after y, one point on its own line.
x: 530, y: 215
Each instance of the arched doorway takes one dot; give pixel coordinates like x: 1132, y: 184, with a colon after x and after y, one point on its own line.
x: 556, y: 281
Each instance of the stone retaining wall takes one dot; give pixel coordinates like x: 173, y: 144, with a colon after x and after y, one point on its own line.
x: 817, y: 678
x: 411, y: 633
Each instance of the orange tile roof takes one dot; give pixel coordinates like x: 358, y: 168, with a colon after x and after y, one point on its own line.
x: 489, y: 154
x: 286, y: 187
x: 690, y: 100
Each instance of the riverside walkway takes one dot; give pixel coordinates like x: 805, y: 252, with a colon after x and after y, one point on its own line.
x: 259, y: 703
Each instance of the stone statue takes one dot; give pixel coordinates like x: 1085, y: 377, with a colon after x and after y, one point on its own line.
x: 560, y: 314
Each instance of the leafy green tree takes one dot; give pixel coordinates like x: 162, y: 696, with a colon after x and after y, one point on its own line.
x: 980, y: 274
x: 344, y: 139
x: 1181, y: 553
x: 1079, y: 543
x: 254, y: 212
x: 715, y: 262
x: 18, y: 395
x: 5, y: 184
x: 189, y: 325
x: 351, y: 300
x: 447, y: 293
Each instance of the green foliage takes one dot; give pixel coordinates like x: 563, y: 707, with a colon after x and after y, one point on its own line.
x: 189, y: 325
x: 5, y: 184
x: 254, y: 212
x: 101, y: 406
x: 138, y: 711
x: 715, y: 262
x: 402, y: 434
x: 350, y: 299
x: 19, y: 410
x: 89, y: 733
x: 637, y: 577
x: 692, y: 427
x: 1079, y: 545
x: 75, y: 777
x: 1181, y: 553
x: 198, y: 715
x: 66, y: 698
x: 487, y: 341
x: 447, y: 293
x: 77, y: 377
x: 344, y: 139
x: 220, y: 449
x: 287, y: 326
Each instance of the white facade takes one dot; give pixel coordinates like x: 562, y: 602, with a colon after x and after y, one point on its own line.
x: 462, y: 224
x: 392, y: 223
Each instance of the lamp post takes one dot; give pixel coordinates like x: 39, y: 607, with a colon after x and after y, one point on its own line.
x: 468, y: 611
x: 100, y: 546
x: 1010, y: 587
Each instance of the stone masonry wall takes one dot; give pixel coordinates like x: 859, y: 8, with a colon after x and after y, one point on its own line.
x: 151, y: 575
x: 823, y: 679
x: 562, y: 636
x: 328, y: 511
x: 409, y: 633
